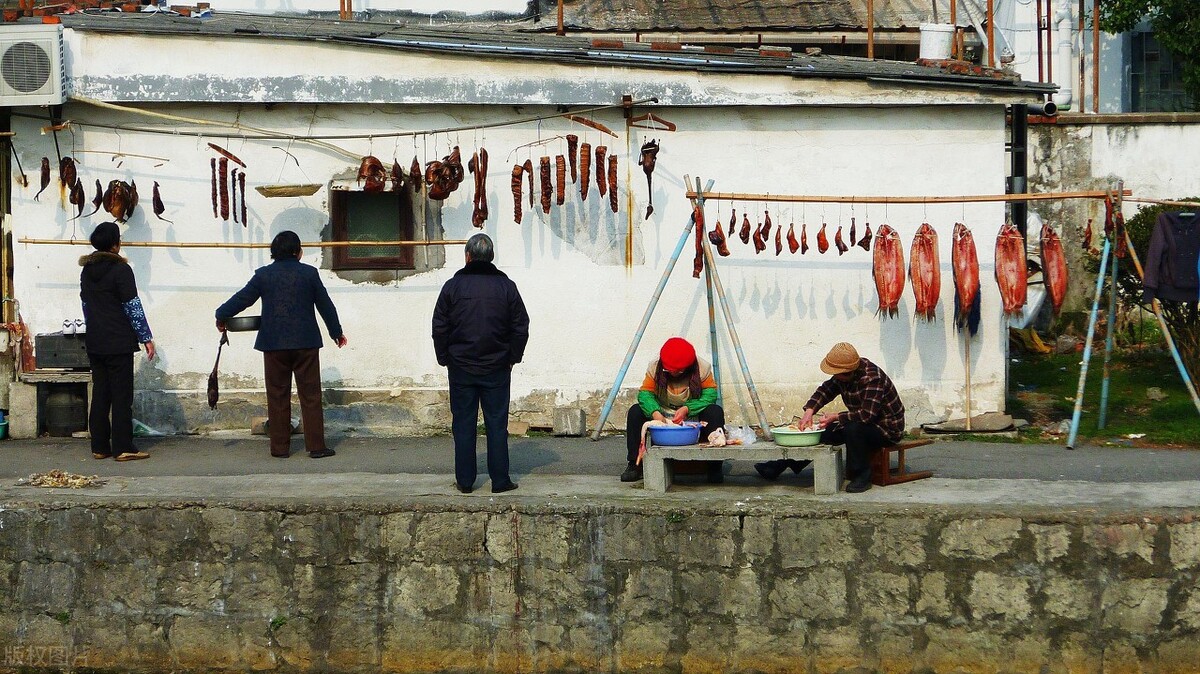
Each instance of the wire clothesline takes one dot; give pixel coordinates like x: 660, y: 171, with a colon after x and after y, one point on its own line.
x: 1043, y: 196
x: 221, y: 244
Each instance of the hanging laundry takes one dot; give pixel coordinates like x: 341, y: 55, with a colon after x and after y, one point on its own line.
x: 1173, y: 261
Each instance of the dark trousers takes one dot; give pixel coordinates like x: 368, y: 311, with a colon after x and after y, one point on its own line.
x: 469, y: 392
x: 862, y: 441
x: 279, y: 367
x: 112, y: 392
x: 713, y: 415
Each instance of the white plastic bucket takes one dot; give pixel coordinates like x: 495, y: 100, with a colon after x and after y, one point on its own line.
x: 936, y: 39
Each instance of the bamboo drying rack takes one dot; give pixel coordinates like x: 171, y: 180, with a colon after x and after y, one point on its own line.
x: 216, y: 244
x: 1044, y: 196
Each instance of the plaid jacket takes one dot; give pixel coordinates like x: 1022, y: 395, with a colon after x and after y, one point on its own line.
x: 870, y: 398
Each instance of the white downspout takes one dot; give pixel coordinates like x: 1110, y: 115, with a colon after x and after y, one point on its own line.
x: 1064, y: 60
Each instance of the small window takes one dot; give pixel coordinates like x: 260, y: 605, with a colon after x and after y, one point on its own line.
x: 378, y: 216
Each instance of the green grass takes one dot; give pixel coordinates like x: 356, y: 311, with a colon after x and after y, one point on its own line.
x: 1042, y: 389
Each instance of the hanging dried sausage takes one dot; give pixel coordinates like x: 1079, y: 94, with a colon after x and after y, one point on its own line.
x: 212, y: 162
x: 547, y: 188
x: 517, y: 181
x: 223, y: 186
x: 572, y: 147
x: 612, y: 182
x: 560, y: 180
x: 601, y: 182
x: 242, y: 196
x: 585, y: 169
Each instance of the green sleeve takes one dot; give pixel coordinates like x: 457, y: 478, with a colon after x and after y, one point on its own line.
x: 648, y: 402
x: 707, y: 397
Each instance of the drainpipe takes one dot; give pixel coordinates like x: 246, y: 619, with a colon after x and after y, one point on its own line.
x: 1064, y: 58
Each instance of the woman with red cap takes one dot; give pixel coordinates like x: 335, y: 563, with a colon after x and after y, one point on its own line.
x: 677, y: 386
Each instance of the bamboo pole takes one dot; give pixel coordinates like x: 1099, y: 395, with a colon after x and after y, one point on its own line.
x: 712, y: 311
x: 968, y: 362
x: 1095, y: 56
x: 1087, y: 345
x: 216, y: 244
x: 1102, y: 420
x: 971, y: 198
x: 871, y: 29
x: 1041, y: 60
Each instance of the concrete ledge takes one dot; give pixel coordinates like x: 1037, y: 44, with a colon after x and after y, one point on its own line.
x: 828, y: 466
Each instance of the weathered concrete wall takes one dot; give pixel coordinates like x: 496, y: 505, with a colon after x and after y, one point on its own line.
x: 437, y: 586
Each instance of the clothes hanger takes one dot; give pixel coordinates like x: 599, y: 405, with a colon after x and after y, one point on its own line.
x: 656, y: 123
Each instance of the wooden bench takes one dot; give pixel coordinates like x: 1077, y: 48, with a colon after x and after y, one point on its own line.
x: 828, y: 466
x: 882, y: 473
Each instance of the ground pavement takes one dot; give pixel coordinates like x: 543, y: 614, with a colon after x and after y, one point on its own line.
x: 236, y: 465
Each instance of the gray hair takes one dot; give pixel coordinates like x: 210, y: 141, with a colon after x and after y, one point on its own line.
x: 480, y: 248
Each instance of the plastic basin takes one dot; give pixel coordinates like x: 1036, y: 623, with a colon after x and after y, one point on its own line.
x: 243, y: 323
x: 686, y: 434
x: 790, y: 437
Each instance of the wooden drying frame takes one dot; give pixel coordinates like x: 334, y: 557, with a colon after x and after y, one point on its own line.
x: 218, y: 244
x: 1044, y: 196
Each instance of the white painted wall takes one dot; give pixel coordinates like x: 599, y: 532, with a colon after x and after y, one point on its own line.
x: 1136, y: 154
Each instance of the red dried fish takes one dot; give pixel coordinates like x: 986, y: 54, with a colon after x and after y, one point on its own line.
x: 97, y: 200
x: 242, y: 196
x: 223, y: 186
x: 888, y: 269
x: 212, y: 162
x: 547, y: 187
x: 647, y: 161
x: 601, y: 153
x: 1054, y: 267
x: 793, y: 244
x: 560, y: 180
x: 45, y: 177
x: 822, y: 240
x: 925, y: 272
x: 228, y: 155
x: 585, y: 169
x: 572, y: 148
x: 965, y: 263
x: 1011, y: 272
x: 865, y: 241
x: 744, y: 234
x: 612, y: 183
x: 803, y: 238
x: 717, y: 238
x: 837, y: 241
x: 157, y: 201
x: 698, y: 260
x: 517, y: 181
x: 77, y: 197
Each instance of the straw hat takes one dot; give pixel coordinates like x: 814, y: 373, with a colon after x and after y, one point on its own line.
x: 843, y: 357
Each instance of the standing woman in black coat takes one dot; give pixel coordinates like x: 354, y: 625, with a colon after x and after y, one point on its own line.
x: 116, y: 324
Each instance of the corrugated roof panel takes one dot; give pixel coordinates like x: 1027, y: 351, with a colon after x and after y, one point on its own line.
x: 740, y: 15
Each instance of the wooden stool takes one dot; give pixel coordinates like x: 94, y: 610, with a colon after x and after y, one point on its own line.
x: 881, y: 465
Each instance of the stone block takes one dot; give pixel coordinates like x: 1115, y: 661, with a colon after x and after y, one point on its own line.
x: 22, y: 410
x: 900, y: 540
x: 932, y: 599
x: 240, y: 534
x: 757, y: 649
x: 569, y: 593
x: 353, y: 589
x: 814, y: 595
x: 709, y: 594
x: 1189, y: 612
x: 395, y: 536
x: 48, y: 586
x: 1179, y: 655
x: 709, y: 648
x: 310, y: 538
x: 1135, y: 606
x: 806, y: 542
x: 545, y: 538
x: 835, y: 650
x: 120, y: 588
x: 631, y: 537
x: 705, y: 540
x: 1185, y: 544
x: 1123, y: 540
x: 758, y: 538
x: 191, y: 586
x: 204, y: 643
x: 896, y: 652
x: 450, y: 537
x: 979, y: 538
x: 255, y: 589
x: 294, y: 636
x: 883, y: 596
x: 570, y: 421
x: 420, y: 589
x: 1050, y: 542
x: 354, y: 644
x: 1068, y: 598
x: 642, y: 596
x: 518, y: 428
x: 492, y: 597
x: 644, y: 646
x: 994, y: 596
x: 422, y: 645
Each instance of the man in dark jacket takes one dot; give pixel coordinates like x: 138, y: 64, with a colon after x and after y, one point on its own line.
x: 290, y: 341
x: 116, y: 324
x: 480, y: 328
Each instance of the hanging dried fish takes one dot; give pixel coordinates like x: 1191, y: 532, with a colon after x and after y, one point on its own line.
x: 223, y: 186
x: 45, y: 177
x: 585, y: 169
x: 888, y: 269
x: 517, y: 181
x: 67, y: 177
x: 372, y: 172
x: 77, y: 197
x: 120, y: 198
x: 560, y: 180
x: 612, y: 182
x: 925, y: 272
x: 547, y: 188
x: 159, y: 208
x: 572, y: 146
x: 242, y: 197
x: 397, y: 176
x: 98, y: 200
x: 601, y: 153
x: 647, y: 161
x: 233, y: 209
x: 228, y: 155
x: 212, y: 162
x: 214, y: 392
x: 414, y: 175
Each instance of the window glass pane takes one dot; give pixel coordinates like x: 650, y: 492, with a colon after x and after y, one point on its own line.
x: 373, y: 217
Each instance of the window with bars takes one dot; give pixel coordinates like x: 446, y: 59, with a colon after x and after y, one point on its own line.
x: 359, y: 216
x: 1155, y: 77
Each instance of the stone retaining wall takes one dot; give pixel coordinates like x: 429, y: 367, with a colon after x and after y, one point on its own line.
x: 475, y: 585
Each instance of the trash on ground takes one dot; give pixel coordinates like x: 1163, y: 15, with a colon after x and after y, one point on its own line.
x: 60, y: 479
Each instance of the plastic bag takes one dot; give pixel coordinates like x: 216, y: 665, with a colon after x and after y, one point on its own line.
x: 743, y: 435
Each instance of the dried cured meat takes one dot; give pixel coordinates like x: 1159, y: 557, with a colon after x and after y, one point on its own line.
x: 45, y: 177
x: 572, y: 148
x: 698, y: 261
x: 803, y: 238
x: 242, y: 196
x: 1054, y: 267
x: 732, y: 222
x: 793, y: 244
x: 227, y: 154
x: 760, y: 244
x: 97, y: 200
x: 157, y: 202
x: 888, y: 269
x: 612, y: 183
x: 478, y: 168
x: 414, y: 175
x: 517, y: 181
x: 77, y: 197
x: 67, y: 177
x: 212, y: 162
x: 717, y: 238
x: 560, y: 180
x: 233, y: 209
x: 822, y: 240
x: 865, y: 241
x: 397, y: 176
x: 527, y: 167
x: 766, y: 228
x: 965, y: 263
x: 744, y: 234
x: 585, y: 169
x: 120, y: 198
x: 223, y: 186
x: 924, y: 271
x: 853, y: 236
x: 601, y: 153
x: 837, y: 241
x: 1011, y: 272
x: 443, y: 177
x: 647, y: 161
x: 547, y: 187
x: 778, y: 241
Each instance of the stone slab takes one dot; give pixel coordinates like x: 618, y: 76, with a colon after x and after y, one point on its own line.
x: 827, y: 462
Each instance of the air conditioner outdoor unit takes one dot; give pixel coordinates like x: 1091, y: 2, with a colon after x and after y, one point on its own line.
x: 31, y: 65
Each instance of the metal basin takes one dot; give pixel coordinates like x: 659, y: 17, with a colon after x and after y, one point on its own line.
x: 243, y: 323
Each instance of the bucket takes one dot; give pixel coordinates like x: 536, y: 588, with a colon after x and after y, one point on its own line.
x: 66, y: 412
x: 936, y: 39
x: 3, y: 429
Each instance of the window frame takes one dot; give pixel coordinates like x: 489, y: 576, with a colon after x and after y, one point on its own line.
x: 339, y: 206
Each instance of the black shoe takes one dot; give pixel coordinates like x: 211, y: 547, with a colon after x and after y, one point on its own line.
x: 321, y: 453
x: 771, y: 470
x: 632, y: 473
x: 716, y: 472
x: 504, y: 487
x: 465, y: 490
x: 859, y: 484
